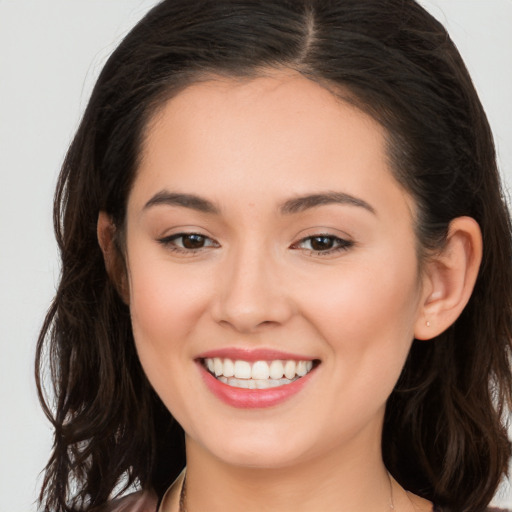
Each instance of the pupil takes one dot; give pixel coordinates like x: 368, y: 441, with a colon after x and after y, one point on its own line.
x: 193, y: 241
x: 321, y: 243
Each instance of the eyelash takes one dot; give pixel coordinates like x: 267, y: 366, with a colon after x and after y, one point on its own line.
x: 170, y: 243
x: 338, y: 244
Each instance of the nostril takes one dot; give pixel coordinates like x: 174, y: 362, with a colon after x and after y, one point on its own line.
x: 267, y: 323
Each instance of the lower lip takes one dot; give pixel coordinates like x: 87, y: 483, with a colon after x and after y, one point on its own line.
x: 252, y: 398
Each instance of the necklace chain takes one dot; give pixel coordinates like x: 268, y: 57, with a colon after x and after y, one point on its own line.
x: 183, y: 495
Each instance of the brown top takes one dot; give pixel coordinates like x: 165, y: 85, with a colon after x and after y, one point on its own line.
x: 135, y: 502
x: 148, y: 501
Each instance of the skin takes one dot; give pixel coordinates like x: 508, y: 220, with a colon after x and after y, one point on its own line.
x: 248, y: 147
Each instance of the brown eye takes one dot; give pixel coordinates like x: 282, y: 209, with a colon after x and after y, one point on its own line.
x: 321, y: 243
x: 188, y: 242
x: 193, y: 241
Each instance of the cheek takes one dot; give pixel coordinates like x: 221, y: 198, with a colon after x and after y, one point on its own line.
x: 166, y: 305
x: 164, y: 298
x: 368, y: 311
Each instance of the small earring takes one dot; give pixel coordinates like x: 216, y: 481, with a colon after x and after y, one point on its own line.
x: 428, y: 323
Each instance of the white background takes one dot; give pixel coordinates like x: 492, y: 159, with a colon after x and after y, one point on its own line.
x: 50, y: 53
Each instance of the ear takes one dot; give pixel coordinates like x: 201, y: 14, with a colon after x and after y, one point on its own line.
x: 114, y: 263
x: 449, y: 278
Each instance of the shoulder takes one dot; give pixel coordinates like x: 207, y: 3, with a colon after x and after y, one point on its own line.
x: 142, y: 501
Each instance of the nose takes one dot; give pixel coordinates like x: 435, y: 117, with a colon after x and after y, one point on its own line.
x: 251, y: 293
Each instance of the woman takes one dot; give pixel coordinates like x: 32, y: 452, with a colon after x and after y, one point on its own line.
x: 285, y: 265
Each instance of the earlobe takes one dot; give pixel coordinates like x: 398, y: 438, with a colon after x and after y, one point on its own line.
x: 450, y: 277
x: 114, y: 264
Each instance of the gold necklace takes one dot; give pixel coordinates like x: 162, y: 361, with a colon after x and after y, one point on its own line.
x: 183, y: 495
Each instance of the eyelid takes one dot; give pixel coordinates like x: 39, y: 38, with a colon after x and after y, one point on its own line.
x: 342, y: 243
x: 168, y: 242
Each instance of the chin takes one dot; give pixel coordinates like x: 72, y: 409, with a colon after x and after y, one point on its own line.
x: 257, y: 451
x: 259, y: 459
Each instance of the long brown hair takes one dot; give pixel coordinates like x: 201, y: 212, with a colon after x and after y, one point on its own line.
x: 444, y: 435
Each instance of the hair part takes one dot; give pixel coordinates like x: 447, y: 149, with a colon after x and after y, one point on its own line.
x: 444, y: 435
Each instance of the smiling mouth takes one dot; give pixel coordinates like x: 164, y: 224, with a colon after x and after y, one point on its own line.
x: 257, y: 374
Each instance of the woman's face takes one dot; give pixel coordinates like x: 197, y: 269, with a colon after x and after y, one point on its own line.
x: 267, y: 238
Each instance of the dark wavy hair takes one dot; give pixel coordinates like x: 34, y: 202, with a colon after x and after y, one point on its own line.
x: 444, y: 435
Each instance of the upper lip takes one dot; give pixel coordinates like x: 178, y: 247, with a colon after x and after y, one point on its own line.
x: 256, y: 354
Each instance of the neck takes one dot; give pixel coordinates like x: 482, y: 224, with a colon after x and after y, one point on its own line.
x: 357, y: 482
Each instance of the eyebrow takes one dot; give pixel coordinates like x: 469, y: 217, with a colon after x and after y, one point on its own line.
x: 299, y: 204
x: 185, y: 200
x: 291, y: 206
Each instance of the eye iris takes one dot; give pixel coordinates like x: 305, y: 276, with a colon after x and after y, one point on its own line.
x: 322, y: 243
x: 193, y: 241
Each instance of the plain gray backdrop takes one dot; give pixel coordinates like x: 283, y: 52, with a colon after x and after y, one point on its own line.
x: 50, y: 54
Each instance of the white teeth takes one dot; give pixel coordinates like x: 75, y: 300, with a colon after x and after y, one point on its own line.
x: 289, y: 369
x: 260, y: 370
x: 229, y: 368
x: 217, y: 366
x: 242, y: 370
x: 255, y: 383
x: 259, y: 374
x: 301, y: 368
x: 276, y: 369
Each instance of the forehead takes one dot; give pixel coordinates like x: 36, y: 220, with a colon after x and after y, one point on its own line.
x: 289, y: 94
x: 281, y: 133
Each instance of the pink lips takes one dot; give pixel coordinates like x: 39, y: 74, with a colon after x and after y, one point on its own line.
x: 252, y: 398
x: 252, y: 355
